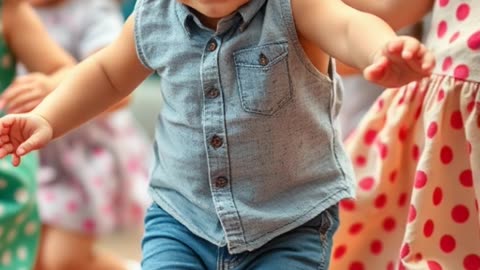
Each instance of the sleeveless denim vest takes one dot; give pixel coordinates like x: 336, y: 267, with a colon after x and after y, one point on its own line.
x: 245, y: 145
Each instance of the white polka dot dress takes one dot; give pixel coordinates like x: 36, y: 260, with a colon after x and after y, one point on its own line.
x: 417, y: 162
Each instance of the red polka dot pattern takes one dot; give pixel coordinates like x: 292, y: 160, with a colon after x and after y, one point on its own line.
x: 454, y: 37
x: 370, y: 137
x: 420, y: 179
x: 446, y: 155
x: 432, y: 130
x: 404, y: 251
x: 428, y: 228
x: 463, y: 11
x: 376, y: 247
x: 466, y: 178
x: 432, y: 265
x: 437, y: 196
x: 339, y: 252
x: 447, y: 243
x: 380, y: 201
x: 456, y: 120
x: 356, y: 228
x: 460, y: 213
x: 461, y: 72
x: 474, y: 41
x: 472, y: 262
x: 366, y: 183
x: 415, y: 156
x: 442, y: 29
x: 412, y: 214
x: 447, y: 63
x: 347, y: 205
x: 356, y: 266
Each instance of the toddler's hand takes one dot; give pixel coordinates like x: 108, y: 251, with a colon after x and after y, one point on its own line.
x: 401, y: 61
x: 23, y: 133
x: 25, y: 93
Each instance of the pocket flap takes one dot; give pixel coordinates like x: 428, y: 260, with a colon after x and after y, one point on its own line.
x: 261, y: 56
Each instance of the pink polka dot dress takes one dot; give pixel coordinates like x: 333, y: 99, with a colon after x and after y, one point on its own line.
x: 417, y: 161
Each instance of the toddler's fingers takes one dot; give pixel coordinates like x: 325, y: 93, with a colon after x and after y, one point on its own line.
x: 5, y: 150
x: 421, y: 51
x: 395, y: 46
x: 377, y: 70
x: 7, y: 122
x: 36, y: 141
x: 4, y: 139
x: 4, y: 131
x: 16, y: 160
x: 428, y: 62
x: 410, y: 48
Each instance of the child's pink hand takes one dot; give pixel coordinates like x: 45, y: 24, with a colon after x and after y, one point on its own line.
x: 23, y: 133
x: 401, y: 61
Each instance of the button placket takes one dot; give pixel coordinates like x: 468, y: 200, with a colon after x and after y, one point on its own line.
x: 221, y: 182
x: 214, y: 128
x: 212, y: 45
x: 212, y: 93
x: 216, y: 141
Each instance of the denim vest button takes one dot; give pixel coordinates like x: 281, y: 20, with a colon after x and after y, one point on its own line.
x: 212, y: 93
x: 216, y: 141
x: 221, y: 182
x: 212, y: 46
x: 263, y: 60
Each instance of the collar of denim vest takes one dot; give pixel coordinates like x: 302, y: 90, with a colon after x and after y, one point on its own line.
x: 245, y: 13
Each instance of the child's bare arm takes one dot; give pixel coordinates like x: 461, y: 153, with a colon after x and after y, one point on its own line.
x: 30, y: 42
x: 341, y: 31
x: 397, y: 13
x: 363, y: 41
x: 94, y: 85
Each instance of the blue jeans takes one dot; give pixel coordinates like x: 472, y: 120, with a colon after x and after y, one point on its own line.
x: 168, y: 245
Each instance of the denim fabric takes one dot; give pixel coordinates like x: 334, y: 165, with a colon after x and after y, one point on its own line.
x: 245, y: 146
x: 170, y: 245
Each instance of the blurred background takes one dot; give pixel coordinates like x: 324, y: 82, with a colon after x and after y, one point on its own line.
x: 145, y: 105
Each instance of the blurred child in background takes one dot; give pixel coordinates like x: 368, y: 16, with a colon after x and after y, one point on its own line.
x: 19, y: 220
x: 93, y: 180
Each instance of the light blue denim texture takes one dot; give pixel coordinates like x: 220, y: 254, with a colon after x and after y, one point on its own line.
x: 169, y: 245
x: 245, y: 144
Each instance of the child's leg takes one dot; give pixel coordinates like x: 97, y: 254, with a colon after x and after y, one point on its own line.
x: 60, y: 249
x: 307, y: 247
x: 169, y: 245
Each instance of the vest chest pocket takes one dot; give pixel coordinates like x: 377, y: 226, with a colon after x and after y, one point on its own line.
x: 263, y: 78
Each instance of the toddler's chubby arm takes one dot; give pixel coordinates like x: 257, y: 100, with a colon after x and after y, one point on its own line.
x: 363, y: 41
x: 397, y: 13
x: 93, y: 86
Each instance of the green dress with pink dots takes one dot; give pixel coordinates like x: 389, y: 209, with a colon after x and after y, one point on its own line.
x: 19, y: 220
